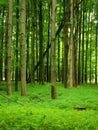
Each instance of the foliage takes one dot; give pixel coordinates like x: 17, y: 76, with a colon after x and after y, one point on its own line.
x: 37, y: 111
x: 30, y: 118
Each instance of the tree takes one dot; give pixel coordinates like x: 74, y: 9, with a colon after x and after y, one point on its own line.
x: 32, y: 44
x: 83, y: 45
x: 86, y: 56
x: 9, y: 91
x: 23, y: 48
x: 53, y: 52
x: 79, y: 47
x: 48, y: 56
x: 41, y: 67
x: 66, y: 45
x: 1, y: 43
x: 76, y: 26
x: 72, y: 77
x: 96, y: 51
x: 17, y: 40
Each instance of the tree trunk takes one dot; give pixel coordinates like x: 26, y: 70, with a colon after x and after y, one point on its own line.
x: 76, y: 15
x: 23, y: 48
x: 79, y: 49
x: 48, y: 70
x: 72, y: 77
x: 41, y: 67
x: 9, y: 91
x: 91, y: 54
x: 66, y: 46
x: 28, y: 51
x: 86, y: 57
x: 17, y: 39
x: 1, y: 43
x: 53, y: 52
x: 83, y: 44
x: 58, y: 58
x: 32, y: 45
x: 96, y: 52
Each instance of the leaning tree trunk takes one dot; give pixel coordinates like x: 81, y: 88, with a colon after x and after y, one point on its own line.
x: 9, y: 49
x: 23, y: 48
x: 53, y: 52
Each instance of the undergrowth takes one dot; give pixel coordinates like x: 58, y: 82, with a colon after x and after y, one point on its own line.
x: 37, y: 111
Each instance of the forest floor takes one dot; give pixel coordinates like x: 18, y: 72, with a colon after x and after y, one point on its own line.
x: 80, y: 103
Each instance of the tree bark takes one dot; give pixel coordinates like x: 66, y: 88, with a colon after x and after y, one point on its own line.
x: 79, y: 49
x: 48, y: 54
x: 1, y: 43
x: 96, y: 52
x: 17, y: 39
x: 83, y: 43
x: 23, y: 48
x: 41, y: 67
x: 32, y: 44
x: 72, y: 77
x: 53, y: 52
x: 9, y: 91
x: 86, y: 57
x: 76, y: 15
x: 66, y: 45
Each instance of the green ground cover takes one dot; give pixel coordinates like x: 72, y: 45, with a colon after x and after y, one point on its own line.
x: 74, y: 109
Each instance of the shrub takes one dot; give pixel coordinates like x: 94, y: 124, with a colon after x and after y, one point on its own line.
x: 30, y: 118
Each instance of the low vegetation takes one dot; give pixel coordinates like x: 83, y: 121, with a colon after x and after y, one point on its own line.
x: 74, y: 109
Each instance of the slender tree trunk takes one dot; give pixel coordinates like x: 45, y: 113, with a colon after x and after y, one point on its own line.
x: 48, y: 70
x: 28, y: 36
x: 83, y: 45
x: 86, y: 57
x: 23, y: 48
x: 28, y: 51
x: 32, y: 53
x: 9, y: 91
x: 79, y: 49
x: 91, y: 54
x: 17, y: 39
x: 66, y: 46
x: 5, y: 60
x: 96, y: 53
x: 72, y: 77
x: 53, y: 52
x: 76, y: 42
x: 37, y: 53
x: 59, y: 58
x: 1, y: 43
x: 32, y: 45
x: 41, y: 68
